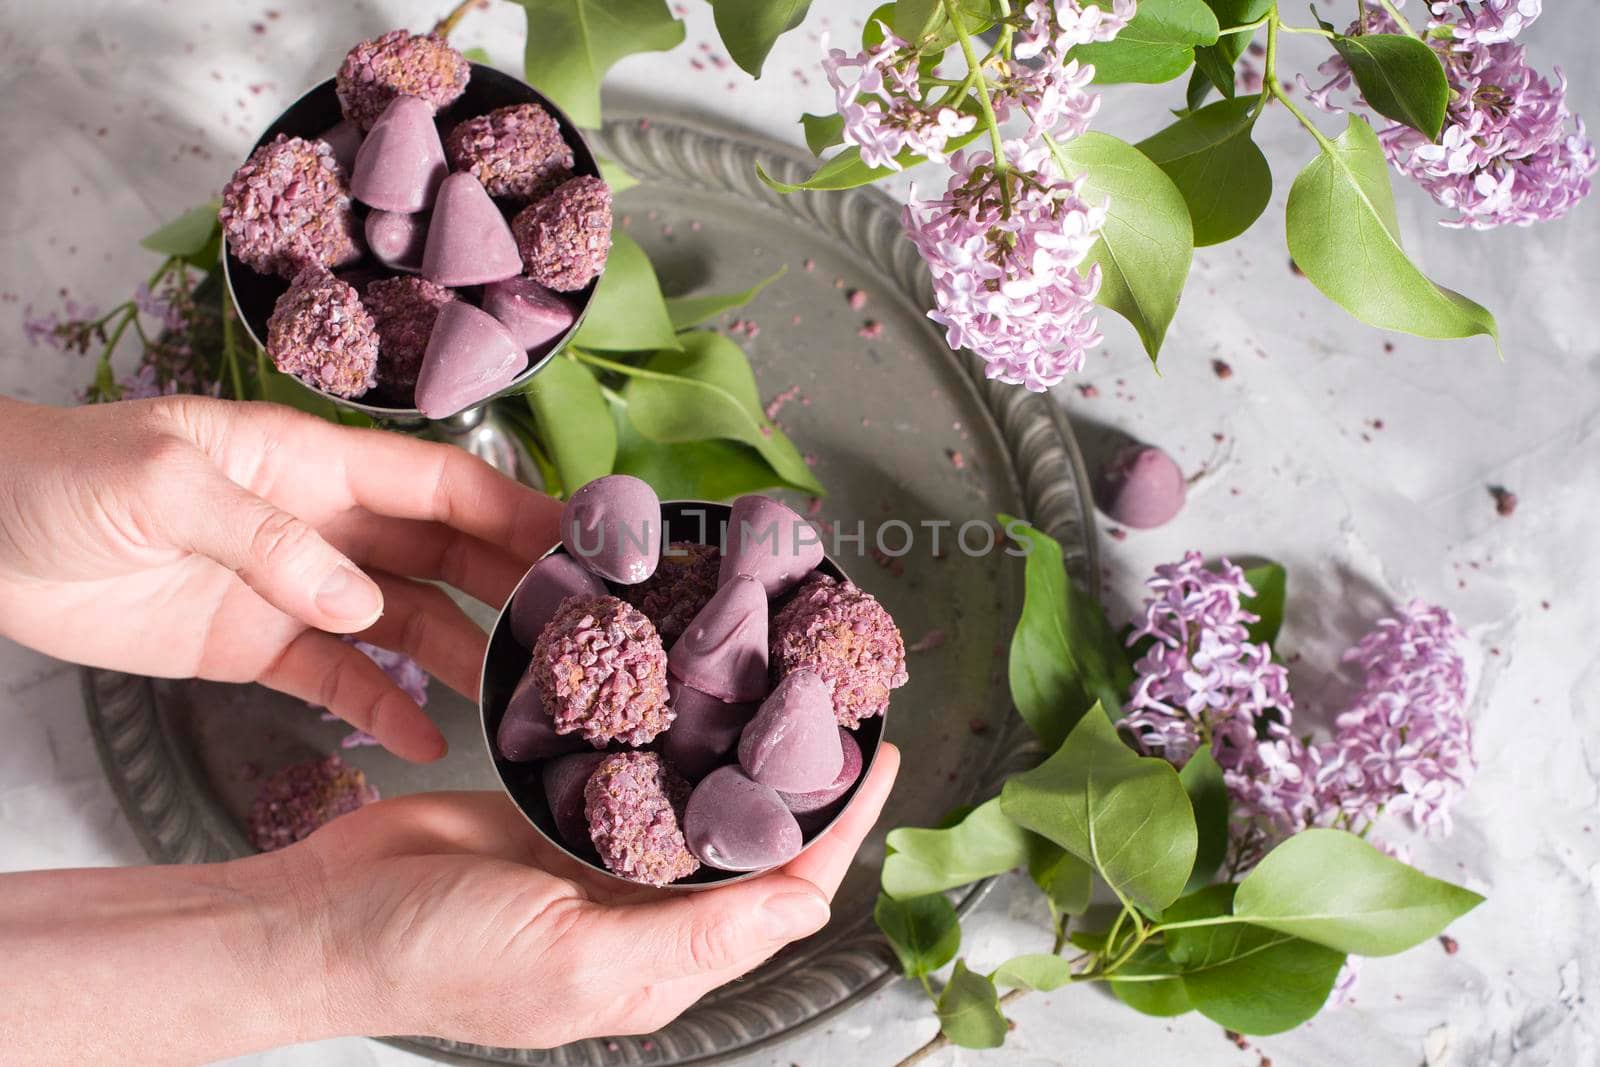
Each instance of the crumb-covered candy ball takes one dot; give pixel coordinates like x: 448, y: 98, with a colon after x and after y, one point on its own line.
x: 303, y: 797
x: 515, y: 151
x: 566, y: 236
x: 322, y: 334
x: 601, y: 670
x: 288, y: 207
x: 634, y: 804
x: 399, y: 63
x: 843, y: 634
x: 404, y: 310
x: 684, y: 581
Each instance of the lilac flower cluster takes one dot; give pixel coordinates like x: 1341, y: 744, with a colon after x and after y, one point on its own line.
x: 1511, y: 153
x: 883, y: 108
x: 1053, y: 93
x: 402, y: 670
x: 1403, y: 747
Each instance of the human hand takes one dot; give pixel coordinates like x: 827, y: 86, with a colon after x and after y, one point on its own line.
x: 187, y: 537
x: 446, y: 914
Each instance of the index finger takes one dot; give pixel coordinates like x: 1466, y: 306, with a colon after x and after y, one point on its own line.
x: 392, y: 474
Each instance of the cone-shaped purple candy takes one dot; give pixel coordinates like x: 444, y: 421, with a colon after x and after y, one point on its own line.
x: 613, y: 526
x: 548, y: 583
x: 793, y: 742
x: 527, y: 732
x: 1142, y: 487
x: 564, y: 780
x: 723, y: 653
x: 770, y: 543
x: 469, y: 242
x: 470, y: 357
x: 812, y: 806
x: 397, y: 239
x: 401, y: 163
x: 534, y: 315
x: 704, y: 733
x: 735, y: 824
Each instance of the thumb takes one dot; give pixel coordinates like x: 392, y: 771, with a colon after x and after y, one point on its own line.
x: 728, y: 929
x: 281, y: 557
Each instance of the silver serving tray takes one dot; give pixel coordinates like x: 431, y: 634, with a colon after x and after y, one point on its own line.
x: 886, y: 417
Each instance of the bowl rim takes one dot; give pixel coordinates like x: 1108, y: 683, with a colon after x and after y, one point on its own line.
x: 585, y: 163
x: 869, y: 756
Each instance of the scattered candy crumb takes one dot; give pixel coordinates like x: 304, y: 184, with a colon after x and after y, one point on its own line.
x: 1505, y: 501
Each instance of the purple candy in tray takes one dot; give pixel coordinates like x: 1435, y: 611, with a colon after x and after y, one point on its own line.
x: 322, y: 334
x: 793, y: 741
x: 809, y: 806
x: 635, y: 805
x: 565, y: 237
x: 735, y: 824
x: 468, y: 241
x: 516, y: 152
x: 841, y: 631
x: 527, y: 732
x: 288, y: 208
x: 404, y: 310
x: 396, y: 240
x: 534, y: 315
x: 613, y: 526
x: 564, y: 782
x: 704, y: 730
x: 470, y: 357
x: 771, y: 544
x: 684, y: 582
x: 724, y: 650
x: 401, y: 163
x: 549, y: 582
x: 601, y: 670
x: 399, y: 63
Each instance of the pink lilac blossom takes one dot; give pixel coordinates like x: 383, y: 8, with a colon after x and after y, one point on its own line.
x: 1511, y: 153
x: 1053, y: 93
x: 402, y: 670
x: 1006, y: 250
x: 1057, y: 26
x: 883, y: 109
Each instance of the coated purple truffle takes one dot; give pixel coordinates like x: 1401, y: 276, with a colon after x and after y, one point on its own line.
x: 303, y: 797
x: 846, y: 636
x: 399, y: 63
x: 320, y: 333
x: 515, y: 151
x: 566, y: 236
x: 1141, y: 487
x: 287, y: 207
x: 685, y: 579
x: 634, y: 804
x: 404, y: 310
x: 601, y: 669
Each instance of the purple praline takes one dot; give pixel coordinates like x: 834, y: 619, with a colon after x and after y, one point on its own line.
x: 684, y: 581
x: 516, y: 152
x: 287, y: 208
x: 303, y: 797
x: 399, y: 63
x: 841, y: 632
x: 404, y: 310
x: 634, y: 803
x: 601, y: 670
x: 321, y: 333
x: 565, y: 237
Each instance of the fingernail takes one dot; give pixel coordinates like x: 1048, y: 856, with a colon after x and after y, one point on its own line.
x: 346, y: 594
x: 792, y: 915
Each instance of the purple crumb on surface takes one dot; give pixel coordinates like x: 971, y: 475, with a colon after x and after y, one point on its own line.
x: 302, y: 797
x: 399, y: 63
x: 634, y: 804
x: 1505, y: 501
x: 601, y: 669
x: 320, y: 333
x: 515, y: 151
x: 846, y: 636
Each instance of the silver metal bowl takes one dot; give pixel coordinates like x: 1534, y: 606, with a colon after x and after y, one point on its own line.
x: 255, y: 294
x: 504, y: 664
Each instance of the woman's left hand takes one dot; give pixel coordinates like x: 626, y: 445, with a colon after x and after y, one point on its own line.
x: 187, y: 537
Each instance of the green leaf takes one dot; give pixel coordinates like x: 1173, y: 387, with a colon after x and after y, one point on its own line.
x: 1156, y: 46
x: 196, y: 236
x: 969, y: 1010
x: 477, y: 55
x: 846, y: 171
x: 1040, y: 972
x: 1065, y: 879
x: 1344, y: 235
x: 572, y: 43
x: 692, y: 470
x: 1222, y: 174
x: 1208, y: 796
x: 749, y: 28
x: 1064, y: 654
x: 1271, y: 583
x: 1333, y: 888
x: 983, y: 844
x: 1400, y: 77
x: 687, y: 311
x: 628, y: 313
x: 924, y: 931
x: 615, y: 175
x: 1248, y: 979
x: 1125, y: 814
x: 1214, y: 62
x: 574, y: 423
x: 914, y: 19
x: 707, y: 391
x: 822, y: 131
x: 1088, y: 941
x: 1161, y: 997
x: 1147, y: 242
